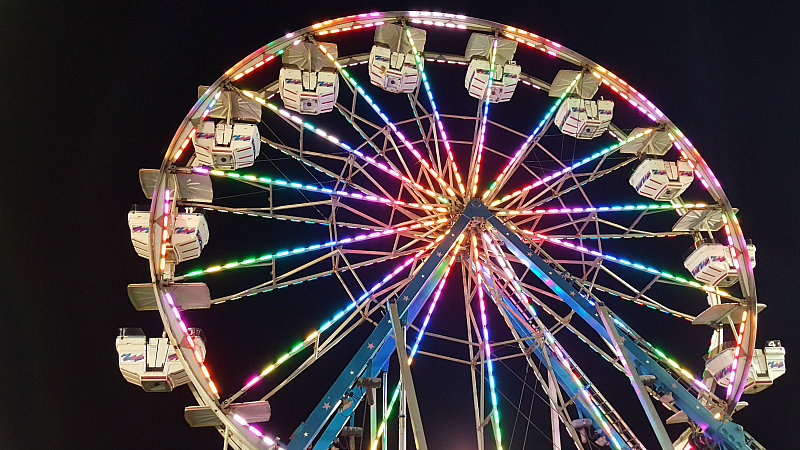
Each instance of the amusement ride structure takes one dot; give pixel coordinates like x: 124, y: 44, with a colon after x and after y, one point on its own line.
x: 542, y: 192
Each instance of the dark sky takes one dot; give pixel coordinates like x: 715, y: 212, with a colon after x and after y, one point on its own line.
x: 94, y: 91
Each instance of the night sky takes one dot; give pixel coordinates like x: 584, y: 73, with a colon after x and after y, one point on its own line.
x: 92, y: 93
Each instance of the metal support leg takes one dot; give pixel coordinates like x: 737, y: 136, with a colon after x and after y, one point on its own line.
x: 636, y: 380
x: 552, y: 387
x: 385, y: 389
x: 408, y: 381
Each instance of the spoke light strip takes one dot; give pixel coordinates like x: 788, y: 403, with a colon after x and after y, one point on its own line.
x: 391, y: 124
x: 308, y: 187
x: 339, y: 143
x: 564, y: 360
x: 311, y: 339
x: 487, y: 346
x: 627, y: 92
x: 640, y: 207
x: 627, y: 263
x: 428, y: 91
x: 435, y: 300
x: 532, y: 136
x: 572, y: 167
x: 299, y: 250
x: 482, y: 133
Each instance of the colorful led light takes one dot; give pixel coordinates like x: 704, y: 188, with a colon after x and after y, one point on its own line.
x: 627, y: 263
x: 386, y: 120
x: 286, y: 114
x: 326, y: 245
x: 487, y: 346
x: 436, y: 116
x: 574, y: 166
x: 533, y: 138
x: 614, y: 208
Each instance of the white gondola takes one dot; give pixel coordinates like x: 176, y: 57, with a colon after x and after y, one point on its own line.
x: 188, y: 237
x: 153, y: 364
x: 584, y: 119
x: 712, y: 264
x: 226, y: 146
x: 506, y: 71
x: 768, y: 364
x: 228, y: 138
x: 661, y: 180
x: 392, y: 65
x: 308, y: 82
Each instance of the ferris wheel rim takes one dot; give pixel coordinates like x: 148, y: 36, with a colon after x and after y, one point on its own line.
x: 171, y: 325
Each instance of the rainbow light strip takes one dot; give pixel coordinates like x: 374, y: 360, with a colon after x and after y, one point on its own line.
x: 619, y: 323
x: 396, y: 393
x: 563, y: 357
x: 388, y: 122
x: 572, y: 167
x: 435, y: 300
x: 435, y: 111
x: 614, y: 208
x: 313, y: 336
x: 299, y: 250
x: 487, y: 346
x: 308, y: 187
x: 484, y: 118
x: 165, y: 237
x: 627, y: 263
x: 532, y: 136
x: 286, y: 114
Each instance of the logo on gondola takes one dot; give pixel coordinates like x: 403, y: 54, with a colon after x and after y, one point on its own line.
x: 172, y: 357
x: 140, y: 230
x: 204, y: 135
x: 776, y: 364
x: 184, y: 230
x: 381, y: 58
x: 325, y: 84
x: 131, y: 357
x: 293, y: 81
x: 240, y: 137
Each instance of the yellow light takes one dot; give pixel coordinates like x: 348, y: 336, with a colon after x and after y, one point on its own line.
x: 268, y: 369
x: 213, y: 387
x: 312, y: 336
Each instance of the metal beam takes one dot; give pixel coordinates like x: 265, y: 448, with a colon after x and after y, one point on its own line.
x: 728, y: 434
x: 636, y: 379
x: 375, y: 346
x: 407, y: 380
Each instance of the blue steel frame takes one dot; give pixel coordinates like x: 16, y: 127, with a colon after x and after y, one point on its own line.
x: 378, y: 347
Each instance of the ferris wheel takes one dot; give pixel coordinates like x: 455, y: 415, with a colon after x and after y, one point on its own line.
x: 370, y: 171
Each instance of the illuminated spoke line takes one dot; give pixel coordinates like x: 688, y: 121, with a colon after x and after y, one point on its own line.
x: 595, y: 398
x: 477, y: 152
x: 436, y: 116
x: 657, y: 354
x: 300, y: 122
x: 345, y: 178
x: 332, y: 192
x: 487, y: 347
x: 313, y: 337
x: 629, y: 264
x: 560, y: 320
x: 425, y: 322
x: 350, y: 80
x: 258, y: 212
x: 592, y: 209
x: 528, y: 145
x: 326, y: 245
x: 276, y: 284
x: 569, y: 169
x: 682, y: 374
x: 282, y: 281
x: 350, y: 116
x: 557, y: 188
